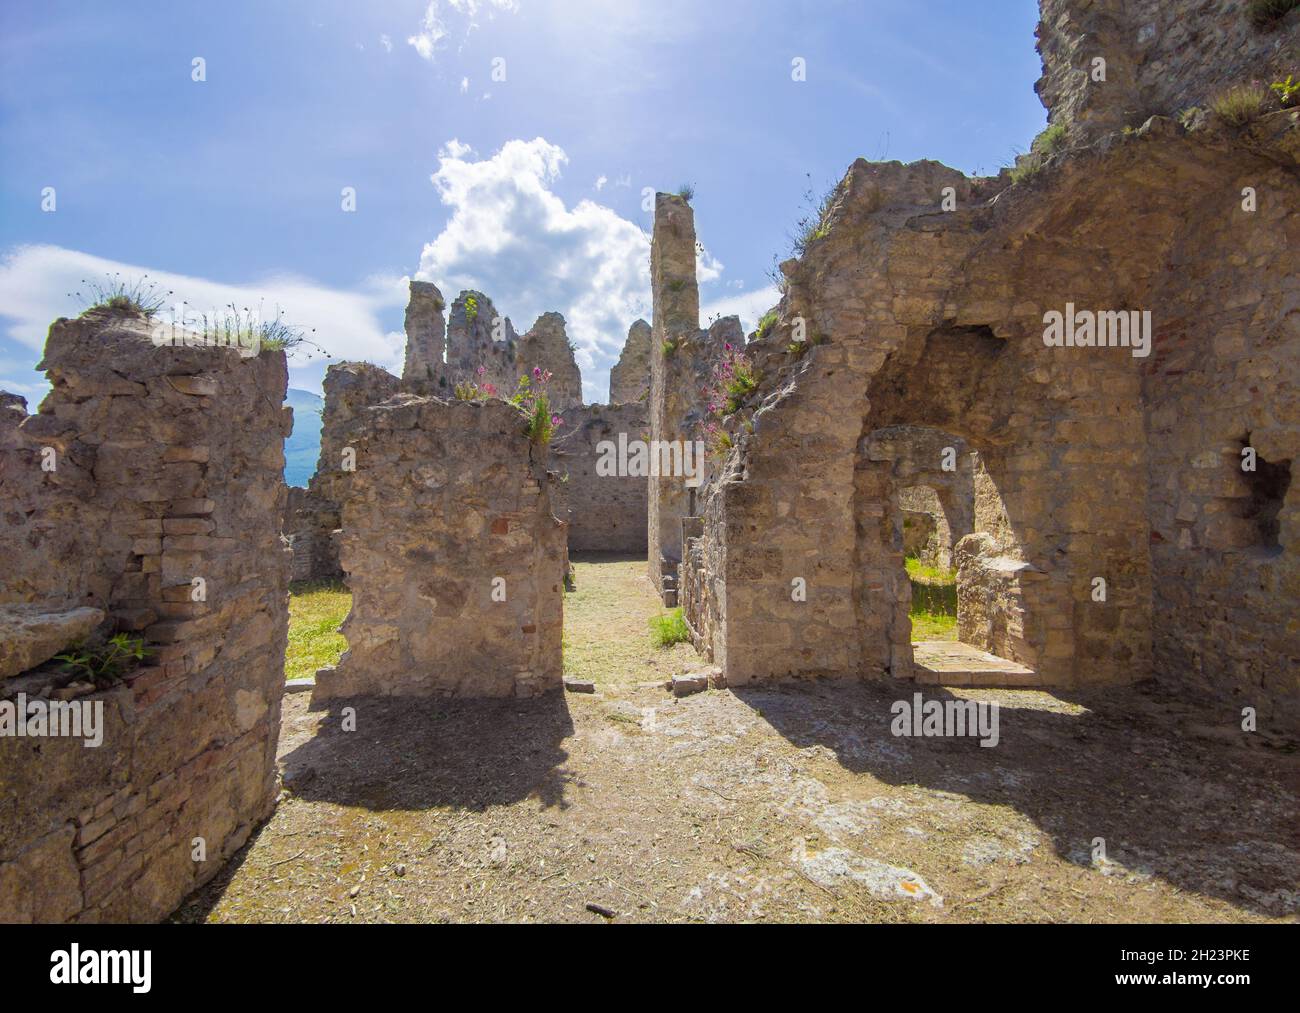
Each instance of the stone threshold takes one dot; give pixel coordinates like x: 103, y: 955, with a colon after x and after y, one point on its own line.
x: 952, y: 663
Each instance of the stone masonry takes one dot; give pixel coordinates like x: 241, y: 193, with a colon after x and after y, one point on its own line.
x: 161, y: 511
x: 453, y: 554
x: 605, y: 512
x: 1118, y: 536
x: 629, y: 378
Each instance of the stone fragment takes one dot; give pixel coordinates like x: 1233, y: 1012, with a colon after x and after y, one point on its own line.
x: 31, y: 634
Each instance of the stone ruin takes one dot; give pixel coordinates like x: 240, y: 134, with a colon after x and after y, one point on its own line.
x: 145, y: 497
x: 1115, y: 534
x: 1097, y: 510
x: 453, y: 554
x: 443, y: 352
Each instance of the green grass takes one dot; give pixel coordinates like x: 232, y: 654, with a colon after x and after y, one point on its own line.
x: 316, y: 610
x: 1240, y: 105
x: 1044, y: 146
x: 669, y: 628
x: 934, y: 601
x: 605, y: 619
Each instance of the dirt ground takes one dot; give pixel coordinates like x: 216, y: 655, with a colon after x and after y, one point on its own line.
x: 787, y: 803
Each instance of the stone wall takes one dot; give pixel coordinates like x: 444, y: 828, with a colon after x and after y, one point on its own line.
x: 424, y: 370
x: 163, y: 511
x: 546, y: 347
x: 606, y: 512
x: 629, y: 378
x: 453, y: 555
x: 681, y: 360
x: 1225, y: 543
x: 927, y: 488
x: 313, y: 521
x: 1162, y: 57
x: 1096, y: 464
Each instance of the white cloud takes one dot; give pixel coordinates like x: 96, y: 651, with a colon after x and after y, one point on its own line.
x: 464, y: 85
x: 387, y: 43
x: 600, y: 182
x: 434, y: 27
x: 37, y: 283
x: 511, y: 237
x: 750, y: 307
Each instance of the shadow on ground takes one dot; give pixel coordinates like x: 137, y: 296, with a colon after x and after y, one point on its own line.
x: 422, y: 754
x: 1175, y: 792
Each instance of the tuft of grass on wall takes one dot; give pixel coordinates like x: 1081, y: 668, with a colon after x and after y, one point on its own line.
x: 1239, y: 105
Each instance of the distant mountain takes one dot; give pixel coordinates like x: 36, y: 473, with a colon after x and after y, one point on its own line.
x: 302, y: 448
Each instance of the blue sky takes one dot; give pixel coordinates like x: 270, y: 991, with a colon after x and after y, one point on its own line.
x: 529, y: 188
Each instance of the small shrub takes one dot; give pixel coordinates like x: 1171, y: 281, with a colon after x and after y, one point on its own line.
x: 669, y: 628
x: 765, y: 324
x: 1286, y: 90
x: 140, y: 298
x: 471, y: 309
x: 1265, y: 14
x: 105, y: 665
x: 1043, y: 147
x: 1239, y: 105
x: 686, y: 192
x: 815, y: 224
x: 669, y: 348
x: 534, y: 404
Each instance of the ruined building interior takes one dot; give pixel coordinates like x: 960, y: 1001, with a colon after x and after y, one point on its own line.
x: 901, y: 403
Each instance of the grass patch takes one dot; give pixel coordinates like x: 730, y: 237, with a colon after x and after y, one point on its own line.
x: 934, y: 601
x: 605, y: 625
x: 669, y: 628
x: 115, y: 294
x: 1240, y: 105
x: 1267, y: 13
x: 1044, y: 146
x: 765, y: 324
x: 316, y: 610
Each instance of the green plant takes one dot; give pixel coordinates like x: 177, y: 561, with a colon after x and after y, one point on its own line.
x: 471, y: 309
x: 1239, y: 105
x: 534, y: 404
x: 669, y: 348
x: 816, y: 221
x: 765, y: 324
x: 1267, y: 13
x: 669, y: 628
x: 1189, y: 117
x: 797, y: 348
x: 1286, y: 90
x: 141, y: 298
x: 1041, y: 149
x: 106, y: 664
x: 686, y: 192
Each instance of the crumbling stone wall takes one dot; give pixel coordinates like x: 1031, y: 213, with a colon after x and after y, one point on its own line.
x: 1161, y: 57
x: 1225, y: 542
x: 681, y: 359
x: 453, y: 554
x: 425, y: 371
x: 314, y: 519
x: 629, y: 378
x: 934, y: 473
x: 938, y: 319
x: 546, y: 347
x: 478, y: 337
x: 606, y: 511
x: 163, y: 511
